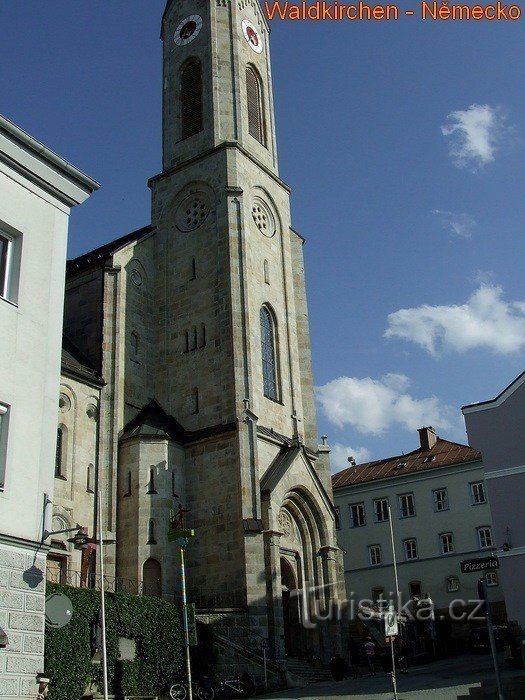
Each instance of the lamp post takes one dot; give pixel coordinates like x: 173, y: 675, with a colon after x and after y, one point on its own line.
x: 396, y: 609
x: 82, y: 541
x: 181, y: 535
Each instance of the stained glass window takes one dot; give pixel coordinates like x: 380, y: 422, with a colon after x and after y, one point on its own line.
x: 269, y: 367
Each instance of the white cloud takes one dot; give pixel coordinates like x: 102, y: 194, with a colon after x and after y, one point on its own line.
x: 457, y: 224
x: 473, y: 135
x: 339, y: 455
x: 486, y: 320
x: 374, y: 405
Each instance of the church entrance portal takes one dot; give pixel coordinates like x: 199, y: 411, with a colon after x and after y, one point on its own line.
x: 291, y: 610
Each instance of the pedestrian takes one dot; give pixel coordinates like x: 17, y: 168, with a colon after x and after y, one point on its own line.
x: 354, y: 655
x: 402, y: 655
x: 338, y: 667
x: 370, y: 651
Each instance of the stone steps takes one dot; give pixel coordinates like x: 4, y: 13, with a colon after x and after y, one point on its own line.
x: 307, y: 673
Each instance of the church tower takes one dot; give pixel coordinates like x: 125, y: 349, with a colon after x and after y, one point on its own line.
x: 198, y: 326
x: 233, y: 353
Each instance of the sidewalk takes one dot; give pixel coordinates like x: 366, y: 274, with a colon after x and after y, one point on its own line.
x: 442, y: 680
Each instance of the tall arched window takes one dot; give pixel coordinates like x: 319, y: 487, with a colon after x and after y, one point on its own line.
x: 151, y: 532
x: 269, y: 355
x: 254, y: 99
x: 60, y: 454
x: 151, y: 482
x: 191, y: 98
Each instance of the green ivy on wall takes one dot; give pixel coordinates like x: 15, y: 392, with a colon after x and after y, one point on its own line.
x: 154, y: 624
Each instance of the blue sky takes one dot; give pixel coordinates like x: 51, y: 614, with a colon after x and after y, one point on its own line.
x: 404, y: 146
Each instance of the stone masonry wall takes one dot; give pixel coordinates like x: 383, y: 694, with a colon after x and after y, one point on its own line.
x: 22, y: 604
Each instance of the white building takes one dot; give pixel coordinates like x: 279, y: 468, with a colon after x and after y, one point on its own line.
x: 495, y: 427
x: 37, y: 191
x: 440, y: 517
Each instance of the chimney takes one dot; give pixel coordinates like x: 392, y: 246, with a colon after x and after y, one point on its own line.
x: 427, y: 438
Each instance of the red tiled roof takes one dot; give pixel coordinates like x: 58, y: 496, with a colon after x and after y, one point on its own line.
x: 444, y: 454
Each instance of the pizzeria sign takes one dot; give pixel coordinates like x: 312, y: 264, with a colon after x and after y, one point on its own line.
x: 482, y: 564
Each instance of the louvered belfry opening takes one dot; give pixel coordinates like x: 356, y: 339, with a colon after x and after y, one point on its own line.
x: 191, y: 98
x: 255, y: 109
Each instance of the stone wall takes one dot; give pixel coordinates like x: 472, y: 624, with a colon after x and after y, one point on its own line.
x: 22, y: 602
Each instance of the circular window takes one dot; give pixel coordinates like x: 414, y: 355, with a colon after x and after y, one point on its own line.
x: 263, y: 218
x: 64, y: 403
x: 136, y: 277
x: 192, y: 212
x: 92, y: 412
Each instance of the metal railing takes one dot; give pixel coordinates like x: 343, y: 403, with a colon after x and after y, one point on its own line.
x: 112, y: 584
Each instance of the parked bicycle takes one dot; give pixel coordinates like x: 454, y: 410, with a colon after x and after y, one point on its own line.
x: 242, y: 686
x: 179, y: 691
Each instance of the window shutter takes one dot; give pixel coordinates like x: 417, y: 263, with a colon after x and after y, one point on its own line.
x: 254, y: 101
x: 191, y: 99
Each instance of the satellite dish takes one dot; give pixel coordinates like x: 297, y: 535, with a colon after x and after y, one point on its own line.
x: 59, y: 610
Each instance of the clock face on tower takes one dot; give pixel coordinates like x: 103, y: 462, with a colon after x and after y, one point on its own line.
x: 252, y: 36
x: 188, y: 30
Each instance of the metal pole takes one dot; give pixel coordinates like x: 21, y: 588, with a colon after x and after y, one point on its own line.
x: 265, y: 669
x: 491, y: 638
x: 393, y: 555
x: 394, y: 681
x: 185, y: 620
x: 102, y: 601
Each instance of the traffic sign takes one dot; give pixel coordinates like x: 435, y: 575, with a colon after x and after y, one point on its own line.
x: 192, y: 624
x: 481, y: 564
x: 179, y: 533
x: 391, y: 627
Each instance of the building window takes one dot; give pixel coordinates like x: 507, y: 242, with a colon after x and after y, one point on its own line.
x: 491, y: 577
x: 406, y: 505
x: 128, y: 492
x: 193, y: 270
x: 381, y: 510
x: 195, y: 338
x: 191, y: 99
x: 151, y: 482
x: 203, y: 336
x: 337, y: 513
x: 254, y: 98
x: 415, y: 589
x: 477, y: 493
x: 452, y: 584
x: 4, y: 417
x: 60, y: 453
x: 440, y: 499
x: 151, y: 532
x: 410, y: 548
x: 374, y: 554
x: 266, y: 272
x: 377, y: 594
x: 173, y: 492
x: 485, y: 537
x: 9, y: 266
x: 195, y: 401
x: 134, y: 345
x: 357, y: 515
x: 447, y: 543
x: 269, y: 354
x: 90, y: 485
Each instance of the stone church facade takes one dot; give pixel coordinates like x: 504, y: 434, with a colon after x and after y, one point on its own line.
x: 186, y: 367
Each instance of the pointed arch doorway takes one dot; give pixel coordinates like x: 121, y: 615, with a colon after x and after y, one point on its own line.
x: 291, y: 609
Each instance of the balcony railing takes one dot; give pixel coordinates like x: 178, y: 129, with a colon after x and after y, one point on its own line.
x: 112, y: 584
